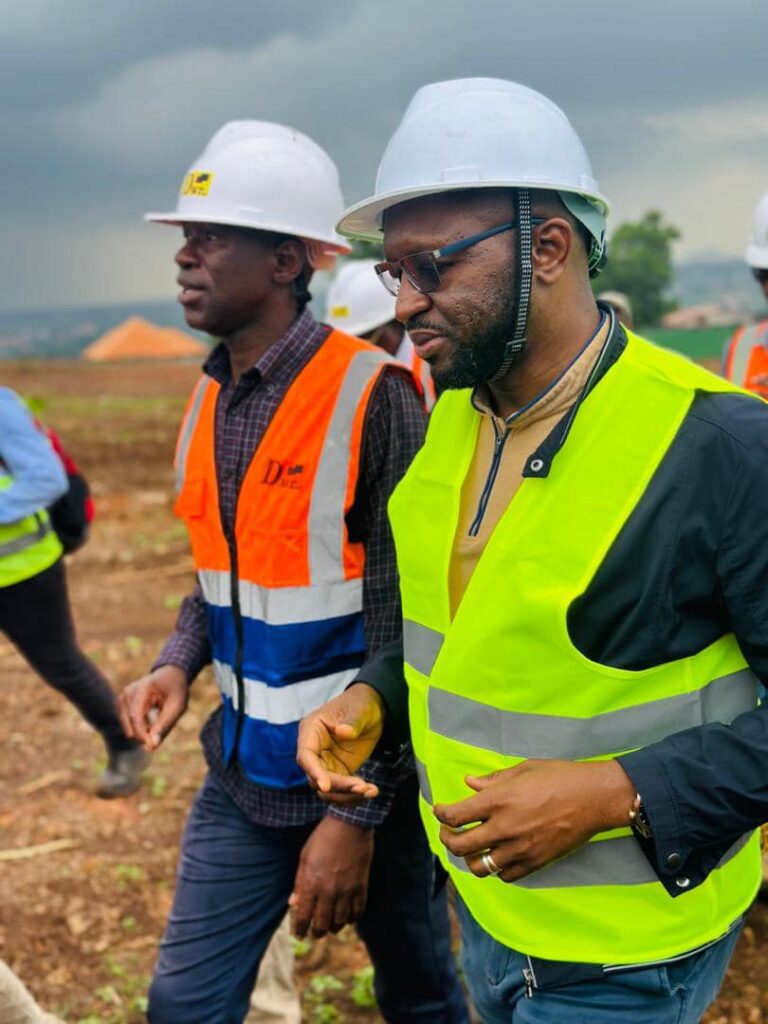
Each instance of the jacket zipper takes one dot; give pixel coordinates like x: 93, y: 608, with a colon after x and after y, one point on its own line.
x: 498, y: 448
x: 529, y: 979
x: 529, y: 976
x: 234, y: 597
x: 237, y: 615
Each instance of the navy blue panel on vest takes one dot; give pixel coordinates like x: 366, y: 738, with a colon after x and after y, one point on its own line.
x: 266, y: 753
x: 281, y: 655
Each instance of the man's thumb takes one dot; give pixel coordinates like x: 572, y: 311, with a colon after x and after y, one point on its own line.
x: 480, y: 782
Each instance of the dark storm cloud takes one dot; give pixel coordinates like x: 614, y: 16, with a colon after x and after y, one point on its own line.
x: 102, y: 106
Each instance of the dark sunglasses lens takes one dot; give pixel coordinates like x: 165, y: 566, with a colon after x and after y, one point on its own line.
x: 760, y: 274
x: 389, y: 275
x: 422, y: 272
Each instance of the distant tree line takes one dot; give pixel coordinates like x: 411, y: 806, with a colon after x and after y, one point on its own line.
x: 640, y: 265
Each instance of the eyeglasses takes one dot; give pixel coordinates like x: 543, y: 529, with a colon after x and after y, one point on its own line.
x: 421, y: 268
x: 760, y: 274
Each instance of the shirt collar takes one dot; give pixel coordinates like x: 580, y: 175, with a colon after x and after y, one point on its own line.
x: 560, y: 393
x: 278, y: 364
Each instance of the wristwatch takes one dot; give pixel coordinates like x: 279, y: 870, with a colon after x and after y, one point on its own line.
x: 639, y: 819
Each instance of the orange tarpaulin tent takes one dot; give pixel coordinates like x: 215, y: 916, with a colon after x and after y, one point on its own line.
x: 136, y: 338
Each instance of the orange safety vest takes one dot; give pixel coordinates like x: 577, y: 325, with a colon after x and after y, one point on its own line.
x: 424, y: 383
x: 284, y: 595
x: 747, y: 357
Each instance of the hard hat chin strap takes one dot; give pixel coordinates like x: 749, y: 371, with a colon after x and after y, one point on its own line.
x: 523, y: 279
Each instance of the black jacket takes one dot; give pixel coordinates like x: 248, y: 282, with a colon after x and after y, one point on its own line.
x: 690, y: 565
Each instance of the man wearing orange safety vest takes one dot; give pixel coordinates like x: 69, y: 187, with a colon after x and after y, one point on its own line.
x: 357, y: 304
x: 746, y: 358
x: 291, y: 444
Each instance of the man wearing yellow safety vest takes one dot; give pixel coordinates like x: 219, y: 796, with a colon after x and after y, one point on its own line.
x: 34, y: 603
x: 746, y: 356
x: 585, y: 616
x: 292, y: 442
x: 356, y: 303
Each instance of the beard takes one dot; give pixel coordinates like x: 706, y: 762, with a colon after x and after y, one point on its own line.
x: 484, y: 334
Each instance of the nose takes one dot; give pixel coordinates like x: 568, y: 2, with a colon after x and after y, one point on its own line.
x: 187, y: 254
x: 410, y: 301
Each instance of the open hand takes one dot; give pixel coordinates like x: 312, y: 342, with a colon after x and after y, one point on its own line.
x: 336, y: 739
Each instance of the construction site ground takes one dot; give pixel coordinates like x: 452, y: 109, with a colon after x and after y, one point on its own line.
x: 86, y: 884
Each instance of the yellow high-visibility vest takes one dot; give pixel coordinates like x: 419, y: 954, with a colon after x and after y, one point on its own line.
x: 28, y: 546
x: 502, y: 681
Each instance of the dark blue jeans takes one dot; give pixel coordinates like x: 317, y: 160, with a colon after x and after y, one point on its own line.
x: 234, y: 880
x: 674, y: 993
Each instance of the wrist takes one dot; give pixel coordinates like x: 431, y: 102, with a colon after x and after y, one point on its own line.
x: 615, y: 796
x: 341, y: 826
x: 360, y: 689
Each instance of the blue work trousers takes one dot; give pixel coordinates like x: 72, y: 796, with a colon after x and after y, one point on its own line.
x: 673, y: 993
x: 232, y: 890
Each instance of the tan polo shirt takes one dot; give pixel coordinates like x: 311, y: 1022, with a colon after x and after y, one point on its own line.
x: 485, y: 497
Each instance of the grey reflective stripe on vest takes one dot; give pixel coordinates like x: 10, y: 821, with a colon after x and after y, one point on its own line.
x: 756, y: 334
x: 13, y: 547
x: 421, y: 774
x: 605, y: 862
x: 188, y: 429
x: 521, y: 734
x: 326, y: 510
x: 421, y: 646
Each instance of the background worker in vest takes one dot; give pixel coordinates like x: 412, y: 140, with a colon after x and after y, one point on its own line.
x: 356, y: 303
x: 582, y: 568
x: 34, y: 605
x: 620, y: 305
x: 745, y: 361
x: 291, y: 445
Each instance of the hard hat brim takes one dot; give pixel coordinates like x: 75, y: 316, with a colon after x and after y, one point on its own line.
x: 336, y: 244
x: 363, y: 220
x: 757, y: 256
x: 357, y: 328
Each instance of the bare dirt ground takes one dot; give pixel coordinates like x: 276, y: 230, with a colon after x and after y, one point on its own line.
x: 80, y: 918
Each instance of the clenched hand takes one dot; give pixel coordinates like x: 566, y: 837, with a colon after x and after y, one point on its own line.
x: 331, y: 885
x: 150, y: 707
x: 534, y: 813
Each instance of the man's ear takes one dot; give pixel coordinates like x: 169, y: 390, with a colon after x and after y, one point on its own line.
x: 552, y: 244
x: 290, y: 257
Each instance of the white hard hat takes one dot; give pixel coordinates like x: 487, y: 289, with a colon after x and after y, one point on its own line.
x: 757, y: 249
x: 618, y: 300
x: 256, y: 174
x: 356, y: 302
x: 479, y: 133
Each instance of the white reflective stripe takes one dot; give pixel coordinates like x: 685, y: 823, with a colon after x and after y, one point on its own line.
x: 617, y: 861
x: 27, y: 540
x: 424, y: 787
x: 756, y: 334
x: 281, y: 705
x: 326, y: 511
x: 283, y: 606
x: 188, y: 429
x: 421, y: 646
x: 521, y: 734
x: 425, y: 376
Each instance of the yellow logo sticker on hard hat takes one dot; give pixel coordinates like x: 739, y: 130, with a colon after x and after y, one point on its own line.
x: 337, y: 311
x: 197, y: 183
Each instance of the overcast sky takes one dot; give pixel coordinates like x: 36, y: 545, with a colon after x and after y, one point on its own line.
x: 104, y: 104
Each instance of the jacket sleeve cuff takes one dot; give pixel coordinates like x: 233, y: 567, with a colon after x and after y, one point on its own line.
x: 679, y: 866
x: 371, y: 813
x: 384, y: 672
